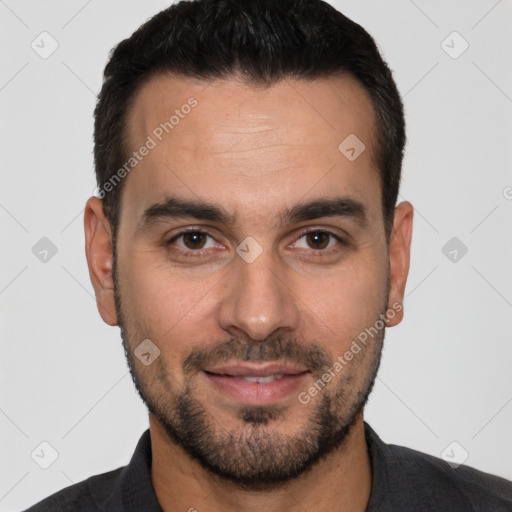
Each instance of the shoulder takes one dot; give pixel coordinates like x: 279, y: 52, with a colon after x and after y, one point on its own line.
x: 406, y: 479
x: 90, y: 495
x: 435, y: 479
x: 126, y: 488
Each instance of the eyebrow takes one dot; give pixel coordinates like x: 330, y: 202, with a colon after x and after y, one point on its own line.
x: 174, y: 207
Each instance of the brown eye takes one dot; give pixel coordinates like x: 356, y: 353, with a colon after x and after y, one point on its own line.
x: 320, y: 243
x: 318, y: 239
x: 194, y: 239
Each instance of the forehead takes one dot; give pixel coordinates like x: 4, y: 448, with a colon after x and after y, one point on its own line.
x: 229, y: 142
x: 303, y: 111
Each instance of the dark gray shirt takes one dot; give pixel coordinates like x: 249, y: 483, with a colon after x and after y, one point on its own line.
x: 404, y: 480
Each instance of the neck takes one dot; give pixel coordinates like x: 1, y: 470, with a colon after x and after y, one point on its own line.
x: 340, y: 481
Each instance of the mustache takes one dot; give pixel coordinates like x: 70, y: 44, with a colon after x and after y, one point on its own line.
x: 279, y: 348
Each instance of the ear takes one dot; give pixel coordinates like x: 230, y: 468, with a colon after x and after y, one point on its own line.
x: 98, y: 250
x: 399, y: 257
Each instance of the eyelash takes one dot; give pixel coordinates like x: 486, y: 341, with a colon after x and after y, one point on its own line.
x: 191, y: 253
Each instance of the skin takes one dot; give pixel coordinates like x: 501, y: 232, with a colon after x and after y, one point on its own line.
x: 255, y: 152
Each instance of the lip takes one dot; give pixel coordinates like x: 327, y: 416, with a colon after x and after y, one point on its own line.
x: 229, y: 380
x: 259, y: 370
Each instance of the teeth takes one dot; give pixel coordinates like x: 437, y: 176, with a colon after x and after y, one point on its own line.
x: 263, y: 380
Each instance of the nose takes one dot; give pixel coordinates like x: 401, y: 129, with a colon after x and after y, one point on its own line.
x: 257, y: 301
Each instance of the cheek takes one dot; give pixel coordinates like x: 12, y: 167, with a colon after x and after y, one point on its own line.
x: 167, y: 308
x: 345, y: 302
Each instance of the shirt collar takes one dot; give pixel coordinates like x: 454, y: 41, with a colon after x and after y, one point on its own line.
x: 133, y: 490
x: 379, y: 452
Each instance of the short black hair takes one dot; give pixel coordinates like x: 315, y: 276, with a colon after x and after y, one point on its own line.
x: 263, y: 41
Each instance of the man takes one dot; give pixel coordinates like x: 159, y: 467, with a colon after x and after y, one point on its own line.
x: 246, y: 240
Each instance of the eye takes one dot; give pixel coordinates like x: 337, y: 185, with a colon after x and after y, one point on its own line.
x: 318, y: 240
x: 192, y: 240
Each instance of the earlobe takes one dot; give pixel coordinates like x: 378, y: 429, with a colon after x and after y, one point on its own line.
x: 399, y: 259
x: 98, y: 251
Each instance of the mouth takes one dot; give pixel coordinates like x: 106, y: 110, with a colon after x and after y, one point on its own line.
x: 253, y: 384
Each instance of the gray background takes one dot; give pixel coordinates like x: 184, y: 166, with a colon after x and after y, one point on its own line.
x: 446, y: 372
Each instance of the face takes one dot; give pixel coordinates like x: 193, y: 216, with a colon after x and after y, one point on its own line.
x: 252, y: 254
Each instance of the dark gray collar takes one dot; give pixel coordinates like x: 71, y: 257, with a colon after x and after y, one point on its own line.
x: 133, y: 490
